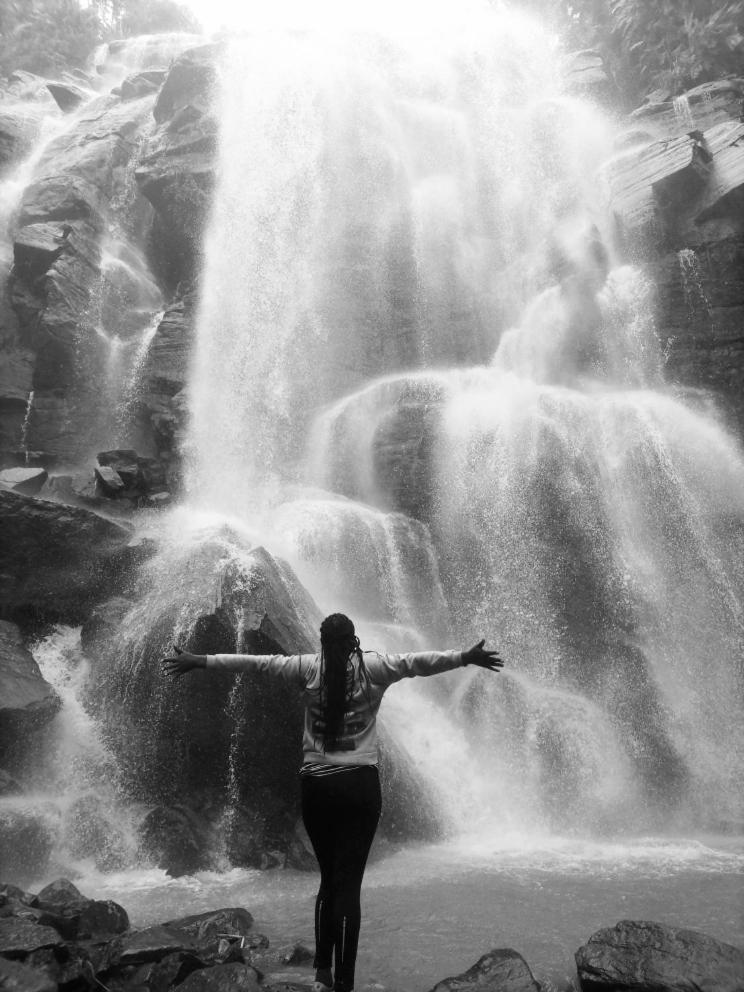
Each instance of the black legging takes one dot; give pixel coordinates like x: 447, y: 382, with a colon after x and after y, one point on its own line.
x: 340, y: 812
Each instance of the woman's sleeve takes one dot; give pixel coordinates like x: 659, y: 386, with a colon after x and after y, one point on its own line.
x: 290, y: 668
x: 384, y: 669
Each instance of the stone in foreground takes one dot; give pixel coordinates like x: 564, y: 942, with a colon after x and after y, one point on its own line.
x: 27, y: 481
x: 17, y: 977
x: 501, y: 970
x: 222, y: 978
x: 638, y: 956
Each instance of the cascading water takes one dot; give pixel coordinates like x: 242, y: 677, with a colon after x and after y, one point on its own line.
x: 423, y: 378
x: 384, y: 203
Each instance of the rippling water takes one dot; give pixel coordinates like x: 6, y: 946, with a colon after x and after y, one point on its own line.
x: 431, y: 911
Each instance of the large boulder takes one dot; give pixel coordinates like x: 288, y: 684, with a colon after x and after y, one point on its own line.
x: 172, y: 739
x: 59, y: 560
x: 639, y: 956
x: 176, y: 840
x: 27, y: 701
x: 234, y: 977
x: 67, y: 95
x: 176, y: 172
x: 501, y: 970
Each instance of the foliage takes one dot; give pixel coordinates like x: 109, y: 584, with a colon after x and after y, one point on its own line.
x: 131, y: 17
x: 655, y: 44
x: 677, y: 43
x: 45, y: 36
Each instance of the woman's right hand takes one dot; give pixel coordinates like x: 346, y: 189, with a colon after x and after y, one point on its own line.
x: 181, y: 662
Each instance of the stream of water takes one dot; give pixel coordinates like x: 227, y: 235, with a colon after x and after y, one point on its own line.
x: 424, y: 378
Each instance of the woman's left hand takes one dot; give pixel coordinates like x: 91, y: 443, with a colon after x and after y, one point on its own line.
x: 484, y: 659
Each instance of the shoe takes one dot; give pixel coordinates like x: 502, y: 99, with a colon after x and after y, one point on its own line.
x: 320, y: 987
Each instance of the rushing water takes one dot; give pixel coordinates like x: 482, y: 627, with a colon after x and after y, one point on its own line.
x: 423, y: 377
x: 385, y: 202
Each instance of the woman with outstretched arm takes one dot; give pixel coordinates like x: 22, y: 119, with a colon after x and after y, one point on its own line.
x: 342, y: 688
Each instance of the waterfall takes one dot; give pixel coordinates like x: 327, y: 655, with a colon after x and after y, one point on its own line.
x: 423, y: 375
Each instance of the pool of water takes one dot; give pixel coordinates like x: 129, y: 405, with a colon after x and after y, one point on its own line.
x: 430, y: 912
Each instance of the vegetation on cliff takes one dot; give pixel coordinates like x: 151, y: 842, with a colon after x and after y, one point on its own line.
x: 669, y: 44
x: 47, y: 36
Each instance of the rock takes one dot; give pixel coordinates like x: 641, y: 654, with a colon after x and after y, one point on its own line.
x: 59, y: 894
x: 176, y: 172
x: 109, y: 480
x: 650, y: 957
x: 141, y: 84
x: 700, y: 313
x: 67, y: 96
x: 501, y: 970
x: 644, y: 181
x: 17, y: 895
x: 171, y: 970
x: 26, y: 842
x: 59, y: 560
x: 9, y: 786
x: 100, y: 917
x: 176, y: 840
x: 27, y: 481
x: 164, y: 374
x: 152, y: 944
x: 216, y: 923
x: 69, y: 967
x: 18, y: 938
x: 17, y: 133
x: 103, y: 622
x: 726, y: 144
x: 26, y: 86
x: 27, y: 701
x: 697, y: 109
x: 58, y: 278
x: 139, y: 474
x: 298, y: 954
x: 17, y: 977
x: 222, y: 978
x: 157, y: 501
x: 38, y: 246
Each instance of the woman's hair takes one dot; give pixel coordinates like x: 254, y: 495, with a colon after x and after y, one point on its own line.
x: 337, y: 642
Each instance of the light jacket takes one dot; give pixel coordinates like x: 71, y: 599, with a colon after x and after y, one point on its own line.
x: 357, y: 743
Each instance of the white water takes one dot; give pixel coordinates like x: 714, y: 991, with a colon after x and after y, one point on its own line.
x: 388, y: 205
x: 385, y: 201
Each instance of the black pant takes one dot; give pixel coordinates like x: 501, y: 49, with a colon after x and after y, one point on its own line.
x: 340, y: 812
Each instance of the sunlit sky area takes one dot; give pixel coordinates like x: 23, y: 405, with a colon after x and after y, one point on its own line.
x: 407, y: 15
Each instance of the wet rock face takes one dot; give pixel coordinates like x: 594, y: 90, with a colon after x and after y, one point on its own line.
x: 176, y: 171
x: 57, y: 278
x: 17, y: 132
x: 650, y: 957
x: 679, y: 187
x: 58, y: 560
x: 698, y: 109
x: 162, y: 404
x: 27, y: 701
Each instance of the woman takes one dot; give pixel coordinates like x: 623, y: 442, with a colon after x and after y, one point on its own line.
x: 342, y: 690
